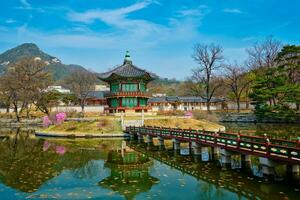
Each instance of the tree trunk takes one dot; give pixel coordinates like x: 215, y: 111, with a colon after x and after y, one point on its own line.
x: 82, y: 107
x: 16, y: 112
x: 207, y: 92
x: 7, y: 109
x: 208, y: 106
x: 27, y: 111
x: 238, y: 105
x: 247, y: 99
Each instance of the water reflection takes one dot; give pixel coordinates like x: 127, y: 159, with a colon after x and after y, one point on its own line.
x: 105, y: 169
x: 129, y: 174
x: 215, y: 179
x: 26, y: 163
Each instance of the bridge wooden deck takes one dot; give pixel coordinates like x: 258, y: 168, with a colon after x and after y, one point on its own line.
x: 276, y: 149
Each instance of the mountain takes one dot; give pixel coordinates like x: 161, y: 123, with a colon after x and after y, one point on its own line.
x: 54, y: 65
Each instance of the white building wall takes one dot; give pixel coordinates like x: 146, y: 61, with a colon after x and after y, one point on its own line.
x: 98, y: 109
x: 183, y: 107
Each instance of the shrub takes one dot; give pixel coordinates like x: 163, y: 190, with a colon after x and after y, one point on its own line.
x: 60, y: 117
x: 46, y: 121
x: 55, y: 118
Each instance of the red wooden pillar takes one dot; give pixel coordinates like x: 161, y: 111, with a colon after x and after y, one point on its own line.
x: 120, y: 102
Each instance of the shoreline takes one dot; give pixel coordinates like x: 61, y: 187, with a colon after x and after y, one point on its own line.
x: 79, y: 135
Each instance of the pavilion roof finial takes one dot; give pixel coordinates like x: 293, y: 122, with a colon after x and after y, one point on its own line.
x: 127, y: 57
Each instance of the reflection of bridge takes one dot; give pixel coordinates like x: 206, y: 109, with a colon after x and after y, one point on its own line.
x: 242, y: 185
x: 269, y: 150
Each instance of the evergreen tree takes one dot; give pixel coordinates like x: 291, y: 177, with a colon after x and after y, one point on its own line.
x: 276, y: 90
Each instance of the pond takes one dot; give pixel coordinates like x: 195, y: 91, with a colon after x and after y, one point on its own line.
x: 38, y: 168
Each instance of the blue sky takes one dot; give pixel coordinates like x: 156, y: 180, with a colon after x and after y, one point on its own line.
x: 160, y: 34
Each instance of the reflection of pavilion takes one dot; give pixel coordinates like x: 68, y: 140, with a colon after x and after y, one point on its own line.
x: 129, y: 173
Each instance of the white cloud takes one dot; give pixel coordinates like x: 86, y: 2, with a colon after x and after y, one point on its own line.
x: 112, y: 17
x: 180, y: 27
x: 126, y: 32
x: 10, y: 21
x: 25, y: 3
x: 27, y: 6
x: 190, y: 12
x: 199, y: 11
x: 117, y: 18
x: 232, y: 10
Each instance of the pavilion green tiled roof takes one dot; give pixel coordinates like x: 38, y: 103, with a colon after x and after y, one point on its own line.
x: 127, y: 70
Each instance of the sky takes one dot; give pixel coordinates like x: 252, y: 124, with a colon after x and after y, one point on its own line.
x: 160, y: 34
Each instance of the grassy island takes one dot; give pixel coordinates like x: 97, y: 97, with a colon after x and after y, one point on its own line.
x: 112, y: 126
x: 101, y: 126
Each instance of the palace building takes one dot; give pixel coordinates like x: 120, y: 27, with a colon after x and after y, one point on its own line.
x: 128, y: 87
x: 187, y: 103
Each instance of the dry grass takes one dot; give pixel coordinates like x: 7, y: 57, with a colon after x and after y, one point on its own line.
x: 184, y: 124
x: 100, y: 126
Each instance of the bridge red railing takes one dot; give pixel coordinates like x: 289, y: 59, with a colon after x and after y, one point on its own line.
x: 288, y: 150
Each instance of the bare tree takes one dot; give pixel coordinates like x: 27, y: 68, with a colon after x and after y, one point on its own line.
x: 23, y: 81
x: 209, y: 59
x: 5, y: 97
x: 82, y: 83
x: 263, y: 54
x: 237, y: 80
x: 45, y: 100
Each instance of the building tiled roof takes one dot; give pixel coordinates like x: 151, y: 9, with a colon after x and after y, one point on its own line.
x: 97, y: 94
x: 187, y: 99
x: 127, y: 69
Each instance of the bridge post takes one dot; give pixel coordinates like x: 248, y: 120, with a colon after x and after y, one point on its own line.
x: 196, y: 148
x: 140, y: 138
x: 149, y: 139
x: 215, y: 151
x: 196, y: 151
x: 131, y: 135
x: 293, y: 171
x: 205, y: 155
x: 246, y: 161
x: 225, y: 158
x: 161, y: 143
x: 176, y: 145
x: 268, y: 167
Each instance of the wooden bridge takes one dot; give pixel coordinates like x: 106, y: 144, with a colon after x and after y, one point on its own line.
x: 287, y: 151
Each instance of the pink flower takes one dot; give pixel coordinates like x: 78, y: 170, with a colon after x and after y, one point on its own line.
x: 60, y: 117
x: 188, y: 114
x: 46, y: 146
x: 61, y: 150
x: 46, y: 121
